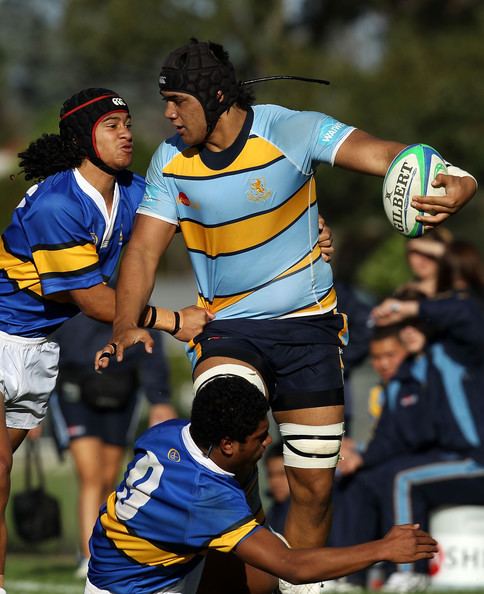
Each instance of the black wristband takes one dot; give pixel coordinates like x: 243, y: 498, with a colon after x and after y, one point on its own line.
x: 151, y: 322
x: 151, y: 310
x: 177, y: 324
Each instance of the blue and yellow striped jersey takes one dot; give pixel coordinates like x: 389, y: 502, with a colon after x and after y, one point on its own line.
x: 249, y: 214
x: 61, y: 238
x: 171, y: 508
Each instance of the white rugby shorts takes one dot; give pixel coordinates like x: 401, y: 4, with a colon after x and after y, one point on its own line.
x: 28, y: 372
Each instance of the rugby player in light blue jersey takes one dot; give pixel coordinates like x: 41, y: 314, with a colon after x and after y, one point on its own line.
x: 238, y: 181
x: 181, y: 505
x: 57, y: 254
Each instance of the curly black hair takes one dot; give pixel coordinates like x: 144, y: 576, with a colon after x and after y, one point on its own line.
x: 50, y: 154
x: 227, y: 406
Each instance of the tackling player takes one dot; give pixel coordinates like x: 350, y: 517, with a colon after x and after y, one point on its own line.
x: 181, y: 502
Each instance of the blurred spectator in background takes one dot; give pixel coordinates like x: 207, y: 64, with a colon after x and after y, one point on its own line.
x: 387, y: 352
x: 352, y: 303
x: 461, y: 269
x: 96, y: 415
x: 428, y: 446
x: 423, y: 256
x: 277, y: 487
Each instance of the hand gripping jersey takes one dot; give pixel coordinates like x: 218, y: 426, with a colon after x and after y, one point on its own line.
x: 171, y: 508
x: 61, y: 238
x: 249, y: 214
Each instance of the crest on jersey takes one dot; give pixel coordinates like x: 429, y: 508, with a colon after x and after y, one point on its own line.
x: 258, y: 191
x: 94, y: 237
x: 183, y: 199
x: 174, y: 455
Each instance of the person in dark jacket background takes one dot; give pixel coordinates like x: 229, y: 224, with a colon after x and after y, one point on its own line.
x: 277, y: 487
x: 96, y: 415
x: 428, y: 445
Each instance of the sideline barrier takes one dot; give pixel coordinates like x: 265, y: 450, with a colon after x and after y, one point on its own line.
x: 459, y: 531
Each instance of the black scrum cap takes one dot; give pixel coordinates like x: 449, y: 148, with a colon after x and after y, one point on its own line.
x: 81, y: 113
x: 197, y: 70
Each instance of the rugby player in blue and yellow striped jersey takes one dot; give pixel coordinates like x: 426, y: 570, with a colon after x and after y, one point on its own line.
x: 57, y: 254
x: 181, y: 507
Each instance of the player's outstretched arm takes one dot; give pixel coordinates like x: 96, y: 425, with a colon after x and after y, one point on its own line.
x: 365, y: 153
x: 402, y: 544
x: 96, y: 302
x: 136, y: 280
x: 184, y: 325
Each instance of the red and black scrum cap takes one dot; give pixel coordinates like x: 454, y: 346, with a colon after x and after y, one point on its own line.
x: 197, y: 70
x: 80, y: 115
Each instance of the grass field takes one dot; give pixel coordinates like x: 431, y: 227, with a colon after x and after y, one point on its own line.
x: 53, y: 574
x: 42, y: 574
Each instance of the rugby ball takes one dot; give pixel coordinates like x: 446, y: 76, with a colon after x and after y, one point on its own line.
x: 411, y: 174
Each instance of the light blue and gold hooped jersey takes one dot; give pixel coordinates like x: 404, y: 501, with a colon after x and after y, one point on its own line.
x: 61, y: 238
x: 249, y: 214
x: 171, y: 508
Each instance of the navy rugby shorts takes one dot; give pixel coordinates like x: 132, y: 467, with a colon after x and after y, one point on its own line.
x: 73, y: 418
x: 298, y: 358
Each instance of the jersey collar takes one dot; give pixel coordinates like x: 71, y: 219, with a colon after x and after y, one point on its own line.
x: 224, y: 158
x: 97, y: 198
x: 197, y: 454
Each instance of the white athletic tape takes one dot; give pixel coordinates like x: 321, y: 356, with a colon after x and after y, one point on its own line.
x: 287, y: 588
x: 311, y: 446
x: 227, y: 370
x: 458, y: 172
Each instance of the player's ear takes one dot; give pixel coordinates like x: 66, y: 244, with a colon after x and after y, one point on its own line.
x: 227, y: 446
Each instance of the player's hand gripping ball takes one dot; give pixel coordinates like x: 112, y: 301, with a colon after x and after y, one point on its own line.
x: 411, y: 174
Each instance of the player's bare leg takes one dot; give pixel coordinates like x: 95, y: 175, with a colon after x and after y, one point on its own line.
x: 161, y: 412
x: 97, y: 467
x: 309, y: 517
x: 5, y: 468
x: 10, y: 439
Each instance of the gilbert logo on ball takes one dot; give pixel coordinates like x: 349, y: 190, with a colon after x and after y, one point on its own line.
x: 411, y: 174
